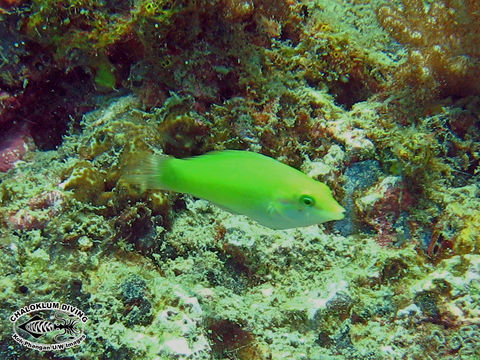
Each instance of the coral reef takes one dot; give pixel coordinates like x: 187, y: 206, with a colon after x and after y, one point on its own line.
x: 442, y: 39
x: 377, y: 99
x: 13, y: 147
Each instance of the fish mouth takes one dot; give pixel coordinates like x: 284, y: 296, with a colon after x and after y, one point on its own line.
x: 338, y: 213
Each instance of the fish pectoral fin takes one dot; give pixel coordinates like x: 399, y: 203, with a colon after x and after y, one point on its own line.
x: 272, y: 209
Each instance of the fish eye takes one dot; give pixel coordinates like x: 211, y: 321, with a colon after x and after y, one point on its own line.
x: 307, y: 200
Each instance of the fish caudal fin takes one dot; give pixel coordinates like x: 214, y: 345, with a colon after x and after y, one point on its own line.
x: 147, y: 174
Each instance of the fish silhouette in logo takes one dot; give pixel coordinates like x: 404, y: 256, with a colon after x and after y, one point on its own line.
x: 38, y: 327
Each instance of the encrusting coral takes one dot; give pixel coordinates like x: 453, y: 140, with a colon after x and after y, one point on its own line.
x: 442, y: 39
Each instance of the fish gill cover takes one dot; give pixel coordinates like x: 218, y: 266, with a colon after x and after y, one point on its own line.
x: 377, y: 99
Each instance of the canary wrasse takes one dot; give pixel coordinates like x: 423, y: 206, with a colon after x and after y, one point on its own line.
x: 274, y: 194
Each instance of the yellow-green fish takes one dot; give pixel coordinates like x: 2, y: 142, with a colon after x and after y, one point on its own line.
x: 242, y: 182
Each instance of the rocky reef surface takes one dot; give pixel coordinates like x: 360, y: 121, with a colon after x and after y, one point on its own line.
x: 378, y: 99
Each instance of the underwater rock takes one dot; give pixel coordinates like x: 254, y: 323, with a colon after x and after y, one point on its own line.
x: 13, y: 67
x: 24, y: 220
x: 184, y: 335
x: 183, y: 135
x: 358, y: 146
x: 8, y: 105
x: 138, y: 227
x: 41, y: 209
x: 229, y: 337
x: 14, y: 145
x: 176, y: 347
x: 240, y: 248
x: 444, y: 57
x: 179, y: 341
x: 86, y: 182
x: 359, y: 176
x: 133, y: 289
x: 382, y: 205
x: 138, y: 309
x: 314, y: 84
